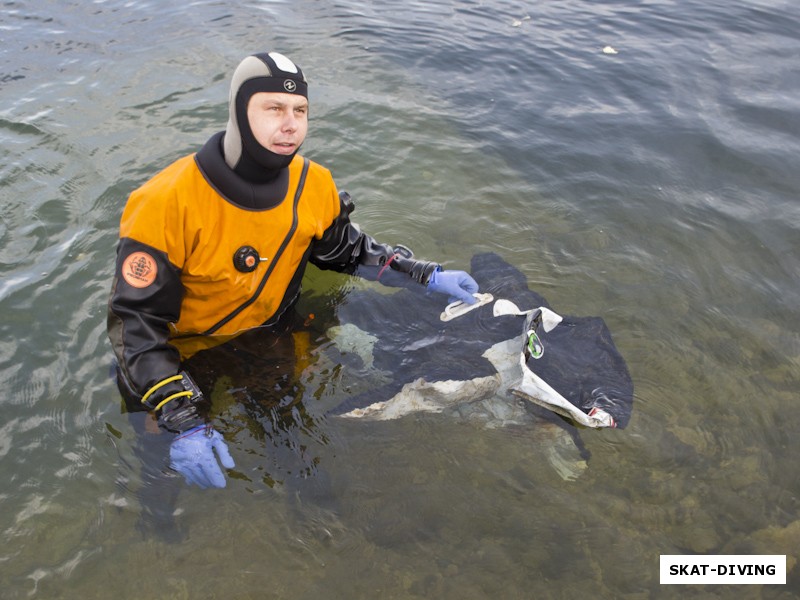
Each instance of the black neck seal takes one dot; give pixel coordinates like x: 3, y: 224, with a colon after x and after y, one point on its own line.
x: 235, y: 188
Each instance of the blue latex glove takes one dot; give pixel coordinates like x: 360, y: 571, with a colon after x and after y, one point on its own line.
x: 192, y: 455
x: 456, y: 284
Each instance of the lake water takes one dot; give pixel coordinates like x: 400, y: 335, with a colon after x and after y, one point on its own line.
x: 656, y: 187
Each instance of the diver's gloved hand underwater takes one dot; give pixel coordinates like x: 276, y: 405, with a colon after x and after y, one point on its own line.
x: 192, y: 455
x: 177, y: 402
x: 458, y: 285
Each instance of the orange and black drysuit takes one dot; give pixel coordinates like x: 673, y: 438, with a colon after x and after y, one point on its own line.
x: 205, y: 255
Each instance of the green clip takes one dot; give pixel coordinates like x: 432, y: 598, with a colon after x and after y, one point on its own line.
x: 535, y: 346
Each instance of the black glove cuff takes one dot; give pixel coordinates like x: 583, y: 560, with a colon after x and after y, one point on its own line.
x: 177, y: 402
x: 182, y: 417
x: 419, y: 270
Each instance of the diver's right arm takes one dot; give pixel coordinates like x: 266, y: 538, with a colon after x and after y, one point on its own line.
x: 145, y: 297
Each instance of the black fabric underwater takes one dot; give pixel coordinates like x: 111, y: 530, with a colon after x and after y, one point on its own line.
x: 580, y: 360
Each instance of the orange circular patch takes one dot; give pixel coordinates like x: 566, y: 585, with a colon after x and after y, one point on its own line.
x: 139, y: 269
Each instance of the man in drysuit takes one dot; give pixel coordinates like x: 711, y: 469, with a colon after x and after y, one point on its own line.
x: 217, y: 243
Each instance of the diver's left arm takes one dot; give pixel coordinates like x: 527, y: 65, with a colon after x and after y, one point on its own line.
x: 345, y: 248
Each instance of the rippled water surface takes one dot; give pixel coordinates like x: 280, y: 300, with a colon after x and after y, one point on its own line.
x: 656, y: 187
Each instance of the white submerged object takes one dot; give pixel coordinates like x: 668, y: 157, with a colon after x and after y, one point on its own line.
x: 456, y: 309
x: 609, y: 50
x: 505, y: 307
x: 535, y: 389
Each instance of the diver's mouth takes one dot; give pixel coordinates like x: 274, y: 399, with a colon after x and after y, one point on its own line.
x: 284, y: 148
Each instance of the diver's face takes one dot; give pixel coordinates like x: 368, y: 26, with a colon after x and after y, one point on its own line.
x: 278, y: 121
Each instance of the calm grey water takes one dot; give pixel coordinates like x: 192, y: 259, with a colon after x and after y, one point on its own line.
x: 656, y: 187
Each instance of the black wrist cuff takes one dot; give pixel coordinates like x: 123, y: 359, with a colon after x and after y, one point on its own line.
x: 180, y: 405
x: 182, y: 417
x: 419, y: 270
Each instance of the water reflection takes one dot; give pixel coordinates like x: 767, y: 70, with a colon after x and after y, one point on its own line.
x: 257, y: 386
x: 258, y: 396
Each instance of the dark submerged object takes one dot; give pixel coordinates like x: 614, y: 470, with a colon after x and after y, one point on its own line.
x: 580, y: 360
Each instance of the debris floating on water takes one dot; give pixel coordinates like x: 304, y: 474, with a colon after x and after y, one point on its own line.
x: 609, y: 50
x: 518, y: 22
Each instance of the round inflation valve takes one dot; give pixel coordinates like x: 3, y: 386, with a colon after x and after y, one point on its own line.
x: 246, y: 259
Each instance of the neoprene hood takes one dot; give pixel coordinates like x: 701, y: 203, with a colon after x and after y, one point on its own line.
x: 264, y: 72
